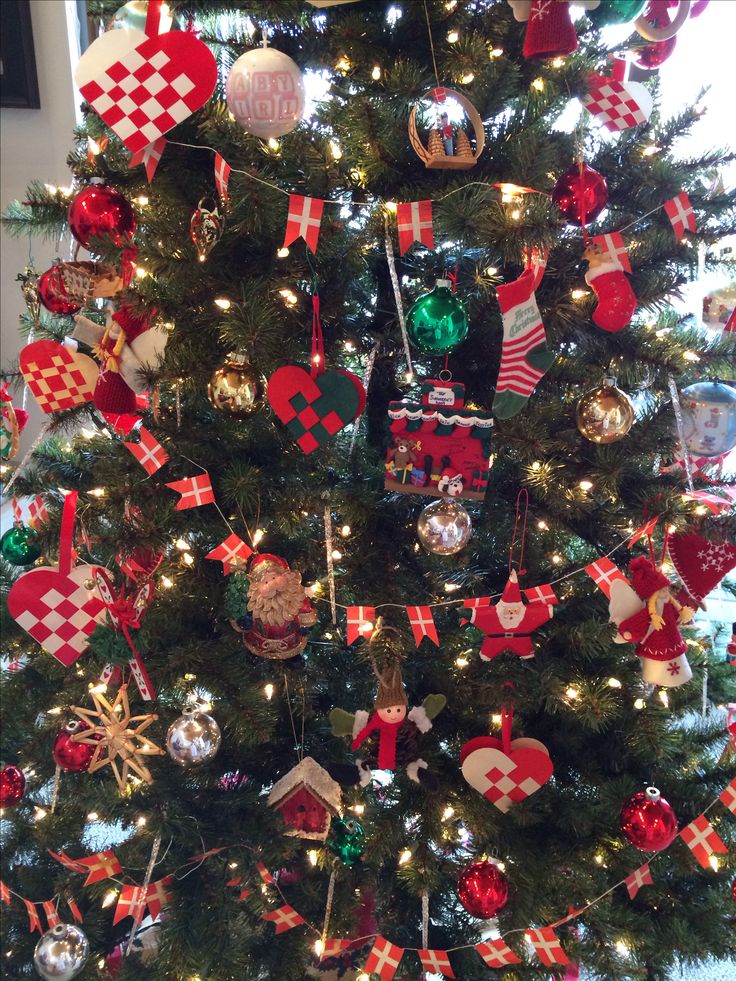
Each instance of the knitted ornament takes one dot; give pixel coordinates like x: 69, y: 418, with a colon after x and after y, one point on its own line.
x: 550, y: 32
x: 616, y: 299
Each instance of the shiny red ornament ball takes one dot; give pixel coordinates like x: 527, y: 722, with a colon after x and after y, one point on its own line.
x: 69, y: 755
x: 12, y: 785
x: 653, y: 55
x: 52, y: 293
x: 483, y: 889
x: 648, y: 821
x: 100, y: 213
x: 581, y: 193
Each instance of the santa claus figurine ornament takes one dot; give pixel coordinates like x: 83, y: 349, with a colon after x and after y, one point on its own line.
x: 279, y: 611
x: 509, y: 624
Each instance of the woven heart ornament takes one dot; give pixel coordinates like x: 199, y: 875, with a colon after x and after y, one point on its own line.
x: 59, y: 606
x: 144, y: 86
x: 58, y: 377
x: 617, y: 103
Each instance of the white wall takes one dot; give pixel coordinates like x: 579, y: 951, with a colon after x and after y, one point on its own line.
x: 34, y: 143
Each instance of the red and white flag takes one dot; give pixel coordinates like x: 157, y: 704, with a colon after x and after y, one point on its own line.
x: 436, y: 962
x: 612, y: 244
x: 284, y: 918
x: 641, y: 877
x: 34, y: 921
x: 222, y: 176
x: 50, y: 911
x: 131, y: 902
x: 360, y: 622
x: 148, y: 452
x: 74, y: 909
x: 333, y: 947
x: 158, y: 895
x: 414, y: 221
x: 476, y: 602
x: 233, y: 553
x: 702, y: 840
x: 264, y: 873
x: 384, y: 959
x: 422, y: 624
x: 496, y: 953
x: 728, y: 796
x: 303, y: 220
x: 38, y: 512
x: 99, y: 866
x: 644, y: 531
x: 604, y: 573
x: 680, y: 213
x: 244, y: 893
x: 149, y: 156
x: 541, y: 594
x: 195, y: 491
x: 4, y: 893
x: 547, y: 946
x: 713, y: 502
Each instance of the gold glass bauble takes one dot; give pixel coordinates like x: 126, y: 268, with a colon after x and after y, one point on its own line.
x: 235, y: 388
x: 605, y: 414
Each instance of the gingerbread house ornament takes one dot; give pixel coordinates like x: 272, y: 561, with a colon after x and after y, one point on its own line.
x: 307, y: 798
x: 438, y: 447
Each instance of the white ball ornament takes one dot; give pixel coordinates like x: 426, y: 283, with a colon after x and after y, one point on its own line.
x: 265, y: 93
x: 61, y: 953
x: 444, y: 527
x: 709, y: 418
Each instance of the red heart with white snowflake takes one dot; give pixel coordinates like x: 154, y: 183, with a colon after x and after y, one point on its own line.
x: 505, y: 778
x: 144, y: 86
x: 700, y: 564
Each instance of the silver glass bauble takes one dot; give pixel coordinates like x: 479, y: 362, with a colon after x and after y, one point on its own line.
x: 444, y: 527
x: 193, y: 739
x: 709, y: 417
x: 61, y: 953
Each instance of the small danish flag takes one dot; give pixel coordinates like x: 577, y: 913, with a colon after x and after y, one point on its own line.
x: 75, y: 909
x: 643, y: 532
x: 713, y: 502
x: 158, y: 895
x: 728, y: 796
x: 476, y: 602
x: 222, y: 176
x: 52, y: 916
x: 148, y: 452
x: 360, y: 622
x: 681, y: 215
x: 233, y: 553
x: 547, y: 946
x: 303, y: 220
x: 149, y: 156
x: 612, y: 244
x: 541, y: 594
x: 284, y: 918
x: 264, y: 874
x: 641, y: 877
x: 383, y: 959
x: 131, y: 902
x: 702, y: 840
x: 604, y: 573
x: 34, y: 921
x: 422, y: 624
x: 414, y: 221
x: 38, y: 512
x: 244, y: 893
x: 496, y: 953
x: 99, y: 866
x: 195, y: 491
x: 333, y: 947
x: 436, y: 962
x: 4, y: 893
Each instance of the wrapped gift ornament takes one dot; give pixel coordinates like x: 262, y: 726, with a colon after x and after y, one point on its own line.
x: 438, y: 447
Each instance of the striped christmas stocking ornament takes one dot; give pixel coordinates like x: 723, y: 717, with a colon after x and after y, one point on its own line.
x: 524, y: 356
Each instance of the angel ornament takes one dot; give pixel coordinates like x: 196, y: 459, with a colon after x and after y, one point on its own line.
x: 390, y: 737
x: 649, y: 615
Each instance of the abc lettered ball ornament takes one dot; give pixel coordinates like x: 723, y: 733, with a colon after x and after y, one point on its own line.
x: 265, y: 93
x: 74, y: 757
x: 19, y: 545
x: 235, y: 388
x: 53, y: 294
x: 605, y: 414
x: 437, y: 322
x: 648, y: 822
x: 193, y: 739
x: 12, y: 785
x: 483, y: 889
x: 580, y: 194
x: 98, y: 213
x: 444, y: 527
x: 61, y: 953
x: 709, y: 418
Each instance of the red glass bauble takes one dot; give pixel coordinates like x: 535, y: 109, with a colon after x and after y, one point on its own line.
x: 733, y: 890
x: 654, y: 55
x: 483, y: 889
x: 648, y: 821
x: 52, y: 293
x: 12, y: 785
x: 99, y: 213
x: 68, y: 754
x: 580, y: 194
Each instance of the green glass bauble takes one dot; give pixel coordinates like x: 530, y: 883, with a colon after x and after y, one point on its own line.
x: 437, y: 322
x: 346, y: 840
x: 616, y: 12
x: 19, y: 545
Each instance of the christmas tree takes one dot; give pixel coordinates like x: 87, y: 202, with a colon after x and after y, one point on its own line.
x: 282, y: 586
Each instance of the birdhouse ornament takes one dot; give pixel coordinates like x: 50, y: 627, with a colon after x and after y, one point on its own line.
x: 306, y: 798
x: 508, y: 624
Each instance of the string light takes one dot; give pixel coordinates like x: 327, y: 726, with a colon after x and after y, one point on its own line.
x: 467, y: 78
x: 232, y: 865
x: 649, y: 151
x: 495, y: 53
x: 273, y: 144
x: 448, y: 812
x: 40, y: 813
x: 258, y: 536
x: 343, y: 65
x: 572, y: 693
x: 558, y: 62
x: 622, y: 948
x: 182, y: 544
x: 714, y: 863
x: 664, y: 698
x: 289, y: 297
x: 496, y: 719
x: 640, y: 703
x: 55, y: 711
x: 701, y: 509
x: 336, y: 554
x: 345, y: 531
x: 461, y: 662
x: 536, y: 466
x: 614, y: 683
x: 312, y: 855
x: 390, y: 206
x: 515, y: 214
x: 586, y: 485
x: 691, y: 356
x: 556, y: 559
x: 142, y: 200
x: 579, y: 294
x: 405, y: 857
x: 282, y: 253
x: 335, y: 149
x: 376, y: 73
x: 268, y: 691
x: 453, y: 36
x: 166, y: 582
x: 543, y: 526
x: 141, y: 822
x: 538, y: 85
x: 97, y: 492
x: 93, y: 147
x: 109, y: 898
x: 223, y: 303
x: 491, y: 270
x: 598, y: 859
x: 141, y: 273
x: 319, y: 946
x: 358, y: 809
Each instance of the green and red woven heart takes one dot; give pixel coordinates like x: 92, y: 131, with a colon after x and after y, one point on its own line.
x: 315, y: 409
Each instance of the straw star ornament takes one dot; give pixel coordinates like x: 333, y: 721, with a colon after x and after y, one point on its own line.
x: 117, y: 737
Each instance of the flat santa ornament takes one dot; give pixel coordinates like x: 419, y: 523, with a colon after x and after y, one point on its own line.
x: 509, y: 624
x: 649, y: 616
